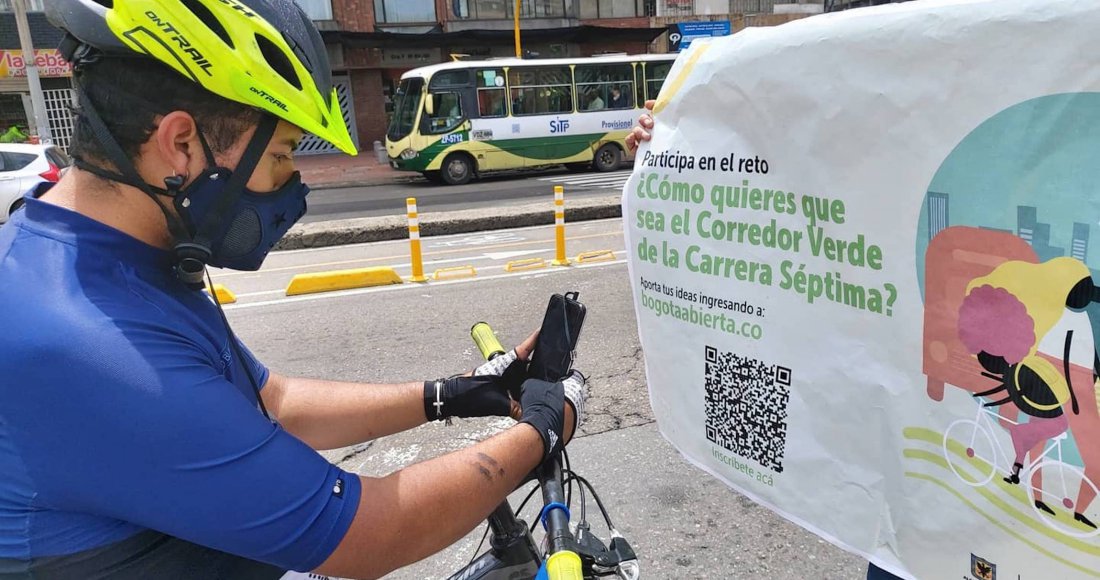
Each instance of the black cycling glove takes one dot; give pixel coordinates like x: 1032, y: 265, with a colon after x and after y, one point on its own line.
x: 510, y: 368
x: 483, y: 396
x: 544, y: 409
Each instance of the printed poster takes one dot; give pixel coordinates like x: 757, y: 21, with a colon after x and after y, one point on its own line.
x: 865, y: 257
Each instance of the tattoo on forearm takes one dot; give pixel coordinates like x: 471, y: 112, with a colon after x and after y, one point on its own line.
x: 487, y: 466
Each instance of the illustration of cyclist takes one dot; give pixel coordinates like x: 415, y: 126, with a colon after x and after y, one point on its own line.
x: 1002, y: 320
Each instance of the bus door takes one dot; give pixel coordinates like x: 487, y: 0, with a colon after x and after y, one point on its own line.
x: 491, y: 129
x: 447, y: 110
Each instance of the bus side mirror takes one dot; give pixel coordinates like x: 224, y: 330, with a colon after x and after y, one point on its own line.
x: 429, y: 105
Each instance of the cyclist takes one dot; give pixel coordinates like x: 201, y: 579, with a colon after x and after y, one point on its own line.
x: 642, y: 132
x: 138, y: 437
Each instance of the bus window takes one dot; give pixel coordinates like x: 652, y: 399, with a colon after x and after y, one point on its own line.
x: 655, y: 73
x: 543, y: 90
x: 447, y: 112
x: 604, y: 86
x: 406, y: 104
x: 639, y: 85
x: 450, y: 79
x: 491, y: 93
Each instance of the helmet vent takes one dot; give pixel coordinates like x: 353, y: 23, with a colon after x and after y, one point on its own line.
x: 278, y: 61
x: 207, y: 17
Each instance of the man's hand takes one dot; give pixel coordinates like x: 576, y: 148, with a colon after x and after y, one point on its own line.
x: 544, y: 408
x: 508, y: 362
x: 641, y: 131
x: 483, y: 392
x: 512, y: 368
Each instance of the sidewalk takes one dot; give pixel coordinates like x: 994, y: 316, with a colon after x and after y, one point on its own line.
x: 333, y: 170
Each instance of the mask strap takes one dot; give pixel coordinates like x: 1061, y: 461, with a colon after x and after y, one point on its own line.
x: 208, y: 151
x: 112, y: 176
x: 129, y: 175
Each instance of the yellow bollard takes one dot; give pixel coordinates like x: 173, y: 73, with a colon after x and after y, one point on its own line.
x: 559, y: 226
x: 414, y: 241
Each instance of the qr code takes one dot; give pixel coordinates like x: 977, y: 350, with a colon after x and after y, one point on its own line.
x: 746, y: 405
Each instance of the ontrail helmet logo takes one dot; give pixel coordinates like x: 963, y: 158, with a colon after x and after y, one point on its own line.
x: 265, y: 96
x: 178, y: 38
x: 244, y: 10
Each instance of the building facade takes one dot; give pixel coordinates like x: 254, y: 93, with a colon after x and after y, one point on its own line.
x: 55, y: 73
x: 371, y: 43
x: 374, y: 42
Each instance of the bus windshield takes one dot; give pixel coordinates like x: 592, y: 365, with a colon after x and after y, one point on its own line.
x: 406, y: 104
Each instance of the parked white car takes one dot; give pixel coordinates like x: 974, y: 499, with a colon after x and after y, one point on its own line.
x: 22, y: 166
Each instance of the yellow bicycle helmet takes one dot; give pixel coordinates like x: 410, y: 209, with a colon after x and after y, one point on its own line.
x: 262, y: 53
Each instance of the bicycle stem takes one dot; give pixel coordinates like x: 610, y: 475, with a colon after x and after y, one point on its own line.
x: 557, y: 521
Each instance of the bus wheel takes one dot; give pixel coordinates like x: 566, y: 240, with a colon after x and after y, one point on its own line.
x: 457, y: 169
x: 607, y: 158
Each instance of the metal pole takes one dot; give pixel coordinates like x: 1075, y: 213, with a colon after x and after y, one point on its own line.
x: 519, y: 49
x: 38, y: 101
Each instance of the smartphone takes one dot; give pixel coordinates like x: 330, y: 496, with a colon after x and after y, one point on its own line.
x: 556, y: 346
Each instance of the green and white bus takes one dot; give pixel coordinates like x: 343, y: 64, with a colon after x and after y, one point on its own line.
x: 456, y: 120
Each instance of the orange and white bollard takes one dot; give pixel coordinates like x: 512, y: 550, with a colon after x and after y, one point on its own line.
x: 414, y: 241
x: 559, y: 226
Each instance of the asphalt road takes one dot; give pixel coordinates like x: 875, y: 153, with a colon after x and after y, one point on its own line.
x: 681, y: 522
x: 330, y: 204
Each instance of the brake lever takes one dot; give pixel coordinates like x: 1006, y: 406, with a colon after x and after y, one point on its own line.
x: 617, y: 559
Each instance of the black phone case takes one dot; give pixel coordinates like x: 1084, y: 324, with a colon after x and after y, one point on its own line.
x: 557, y: 342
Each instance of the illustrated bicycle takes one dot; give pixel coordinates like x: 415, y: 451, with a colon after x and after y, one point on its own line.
x: 1047, y: 479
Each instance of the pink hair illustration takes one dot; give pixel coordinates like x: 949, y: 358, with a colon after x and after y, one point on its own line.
x: 995, y: 321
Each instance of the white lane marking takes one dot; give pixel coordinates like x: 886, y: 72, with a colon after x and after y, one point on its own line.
x: 406, y: 265
x: 409, y: 286
x: 482, y: 240
x: 515, y: 254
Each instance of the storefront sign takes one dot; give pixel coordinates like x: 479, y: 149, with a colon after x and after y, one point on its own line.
x: 49, y: 61
x: 410, y: 57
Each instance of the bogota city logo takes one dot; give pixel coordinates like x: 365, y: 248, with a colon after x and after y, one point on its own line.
x: 982, y: 569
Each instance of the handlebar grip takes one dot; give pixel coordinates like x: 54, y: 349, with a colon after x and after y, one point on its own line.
x: 564, y: 566
x: 486, y: 341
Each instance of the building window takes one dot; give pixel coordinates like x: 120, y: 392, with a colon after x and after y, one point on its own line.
x: 400, y: 11
x: 541, y: 90
x: 501, y: 9
x: 491, y: 93
x: 605, y: 86
x: 675, y: 7
x: 316, y: 9
x: 32, y: 6
x: 612, y: 9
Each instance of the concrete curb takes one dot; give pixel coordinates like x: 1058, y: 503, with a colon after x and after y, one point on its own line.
x: 396, y: 180
x: 374, y: 229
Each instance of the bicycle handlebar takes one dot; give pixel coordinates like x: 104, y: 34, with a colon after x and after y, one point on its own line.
x: 564, y: 553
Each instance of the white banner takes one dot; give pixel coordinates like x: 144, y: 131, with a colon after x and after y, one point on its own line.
x: 863, y: 248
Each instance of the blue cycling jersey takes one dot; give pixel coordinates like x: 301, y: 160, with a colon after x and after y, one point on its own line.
x: 123, y: 409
